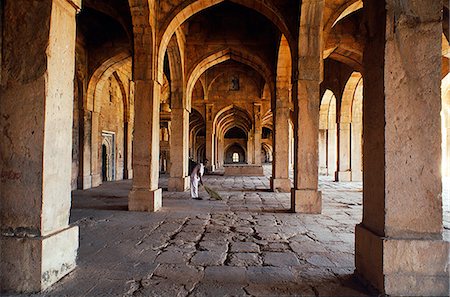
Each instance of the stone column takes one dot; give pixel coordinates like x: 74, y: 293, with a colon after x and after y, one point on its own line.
x: 305, y: 196
x: 179, y: 150
x: 210, y: 137
x: 356, y: 151
x: 323, y: 152
x: 280, y: 165
x: 85, y: 176
x: 145, y: 194
x: 250, y: 147
x: 130, y: 118
x: 37, y: 244
x: 217, y: 151
x: 257, y: 135
x: 399, y: 245
x: 220, y: 143
x: 344, y: 172
x: 96, y: 169
x: 332, y: 141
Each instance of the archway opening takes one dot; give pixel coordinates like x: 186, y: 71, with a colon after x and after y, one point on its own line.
x: 104, y: 163
x: 235, y: 154
x: 327, y: 135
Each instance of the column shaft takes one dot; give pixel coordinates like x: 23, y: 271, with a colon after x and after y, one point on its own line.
x: 179, y: 150
x: 37, y: 245
x: 257, y: 136
x: 344, y: 172
x: 305, y: 196
x: 280, y: 166
x: 306, y: 97
x: 145, y: 195
x: 85, y: 175
x: 399, y: 246
x: 210, y: 148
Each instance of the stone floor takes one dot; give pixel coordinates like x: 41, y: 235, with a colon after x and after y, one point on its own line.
x: 247, y: 244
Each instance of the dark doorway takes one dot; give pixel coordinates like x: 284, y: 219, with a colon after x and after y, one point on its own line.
x: 104, y: 163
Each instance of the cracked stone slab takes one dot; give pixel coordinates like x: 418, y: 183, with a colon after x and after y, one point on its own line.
x: 244, y: 247
x: 173, y: 257
x: 226, y: 274
x: 208, y: 258
x: 270, y: 275
x: 285, y: 259
x: 245, y: 259
x: 183, y: 274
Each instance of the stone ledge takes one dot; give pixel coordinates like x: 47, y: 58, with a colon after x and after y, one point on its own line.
x: 33, y: 264
x: 243, y: 170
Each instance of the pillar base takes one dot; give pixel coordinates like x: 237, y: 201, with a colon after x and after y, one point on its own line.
x: 281, y: 184
x: 343, y: 176
x: 32, y: 264
x: 128, y: 174
x: 323, y: 170
x: 84, y: 182
x: 402, y: 267
x: 179, y: 184
x: 145, y: 200
x: 96, y: 180
x: 357, y: 176
x: 306, y: 201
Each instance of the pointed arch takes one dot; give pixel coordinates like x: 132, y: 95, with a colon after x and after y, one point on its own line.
x: 221, y: 56
x: 106, y: 69
x: 348, y: 96
x: 186, y: 10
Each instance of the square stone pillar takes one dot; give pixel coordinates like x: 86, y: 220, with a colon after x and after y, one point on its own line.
x: 37, y: 244
x: 280, y: 165
x: 250, y: 148
x: 179, y: 150
x: 257, y: 136
x: 323, y: 170
x: 356, y: 152
x: 130, y: 118
x: 145, y: 194
x: 85, y: 176
x: 399, y: 245
x: 96, y: 169
x: 306, y: 197
x: 210, y: 137
x: 344, y: 172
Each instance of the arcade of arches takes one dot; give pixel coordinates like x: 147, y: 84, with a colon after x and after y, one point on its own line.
x: 96, y: 91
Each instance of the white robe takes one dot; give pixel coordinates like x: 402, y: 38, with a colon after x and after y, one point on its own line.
x: 197, y: 172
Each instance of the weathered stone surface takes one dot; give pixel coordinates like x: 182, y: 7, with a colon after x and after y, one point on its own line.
x: 244, y: 259
x: 127, y: 252
x: 244, y: 247
x: 208, y: 258
x: 285, y: 259
x: 37, y: 70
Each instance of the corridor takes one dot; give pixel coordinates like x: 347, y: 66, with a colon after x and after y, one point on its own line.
x: 246, y: 245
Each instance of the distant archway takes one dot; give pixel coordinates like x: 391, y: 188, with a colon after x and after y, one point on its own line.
x: 233, y: 151
x: 327, y: 134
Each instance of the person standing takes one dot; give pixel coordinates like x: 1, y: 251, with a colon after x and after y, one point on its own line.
x: 196, y: 178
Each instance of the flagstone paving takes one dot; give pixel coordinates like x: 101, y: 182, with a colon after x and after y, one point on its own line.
x: 247, y: 244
